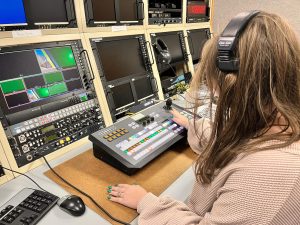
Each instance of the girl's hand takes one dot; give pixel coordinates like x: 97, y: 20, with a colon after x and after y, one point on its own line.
x: 125, y: 194
x: 180, y: 119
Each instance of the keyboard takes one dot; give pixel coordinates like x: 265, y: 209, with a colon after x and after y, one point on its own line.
x: 27, y: 207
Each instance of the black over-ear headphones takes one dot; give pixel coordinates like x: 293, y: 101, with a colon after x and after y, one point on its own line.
x: 226, y: 60
x: 162, y: 51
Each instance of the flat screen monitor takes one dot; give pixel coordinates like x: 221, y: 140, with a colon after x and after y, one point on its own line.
x: 121, y: 58
x: 122, y: 96
x: 197, y: 39
x: 12, y: 13
x: 103, y: 11
x: 143, y: 88
x: 41, y: 12
x: 173, y: 43
x: 34, y: 76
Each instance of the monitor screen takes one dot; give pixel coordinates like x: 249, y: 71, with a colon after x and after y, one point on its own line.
x: 31, y: 76
x: 196, y: 42
x: 143, y: 88
x: 128, y: 10
x: 121, y: 58
x: 46, y: 12
x: 12, y: 13
x: 122, y: 95
x: 173, y: 43
x: 104, y: 10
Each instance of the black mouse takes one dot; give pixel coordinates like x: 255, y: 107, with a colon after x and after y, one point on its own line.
x: 72, y: 204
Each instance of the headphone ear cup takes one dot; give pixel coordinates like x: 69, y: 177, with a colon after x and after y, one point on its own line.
x: 162, y: 50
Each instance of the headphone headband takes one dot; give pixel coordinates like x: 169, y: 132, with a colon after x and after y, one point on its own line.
x: 226, y: 60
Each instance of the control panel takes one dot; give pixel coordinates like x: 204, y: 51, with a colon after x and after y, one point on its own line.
x: 50, y: 104
x: 42, y: 135
x: 133, y: 142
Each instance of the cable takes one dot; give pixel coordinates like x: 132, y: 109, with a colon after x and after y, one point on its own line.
x: 83, y: 193
x: 25, y: 176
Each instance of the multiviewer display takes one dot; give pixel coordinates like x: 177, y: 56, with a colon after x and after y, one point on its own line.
x: 52, y: 72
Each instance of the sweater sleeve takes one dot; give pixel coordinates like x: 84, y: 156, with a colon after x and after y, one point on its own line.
x: 251, y: 194
x: 166, y: 211
x: 198, y: 134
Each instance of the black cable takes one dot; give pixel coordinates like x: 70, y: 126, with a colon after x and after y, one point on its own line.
x: 83, y: 193
x: 25, y: 176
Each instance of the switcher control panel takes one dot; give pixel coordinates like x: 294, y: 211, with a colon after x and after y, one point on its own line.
x: 134, y: 141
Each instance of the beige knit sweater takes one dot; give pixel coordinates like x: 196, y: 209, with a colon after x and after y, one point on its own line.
x: 258, y: 189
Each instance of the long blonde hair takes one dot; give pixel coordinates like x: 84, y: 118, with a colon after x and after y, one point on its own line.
x: 266, y: 85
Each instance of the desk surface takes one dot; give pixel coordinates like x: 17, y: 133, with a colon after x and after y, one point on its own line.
x: 179, y: 190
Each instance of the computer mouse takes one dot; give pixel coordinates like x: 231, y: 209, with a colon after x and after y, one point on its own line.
x: 72, y: 204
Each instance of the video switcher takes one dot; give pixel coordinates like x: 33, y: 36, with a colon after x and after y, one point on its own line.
x: 133, y: 142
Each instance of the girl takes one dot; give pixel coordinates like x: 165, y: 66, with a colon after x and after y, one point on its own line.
x: 248, y: 170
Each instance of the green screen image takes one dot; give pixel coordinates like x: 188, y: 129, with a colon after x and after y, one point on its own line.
x: 57, y: 89
x: 12, y: 86
x: 51, y: 78
x: 63, y: 56
x: 42, y: 92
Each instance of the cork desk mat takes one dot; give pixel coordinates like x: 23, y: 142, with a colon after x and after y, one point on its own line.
x: 92, y: 176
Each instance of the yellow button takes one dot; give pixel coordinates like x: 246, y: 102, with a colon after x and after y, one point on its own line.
x: 68, y: 139
x: 61, y: 142
x: 109, y: 139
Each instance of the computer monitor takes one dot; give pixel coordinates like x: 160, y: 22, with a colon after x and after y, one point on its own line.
x: 125, y: 71
x: 12, y: 13
x: 196, y: 40
x: 143, y: 87
x: 128, y: 11
x: 33, y: 77
x: 122, y: 95
x: 103, y: 10
x: 121, y: 58
x: 50, y: 14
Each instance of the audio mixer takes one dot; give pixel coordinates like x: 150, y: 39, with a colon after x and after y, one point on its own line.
x: 133, y: 142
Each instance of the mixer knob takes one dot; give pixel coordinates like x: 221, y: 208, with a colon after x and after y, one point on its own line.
x: 152, y: 118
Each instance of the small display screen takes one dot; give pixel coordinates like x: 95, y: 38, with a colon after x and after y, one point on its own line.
x: 50, y: 138
x: 48, y: 129
x: 196, y: 8
x: 46, y: 12
x: 121, y: 58
x: 12, y: 12
x: 143, y: 88
x: 122, y: 95
x: 30, y: 76
x: 104, y: 10
x: 173, y: 43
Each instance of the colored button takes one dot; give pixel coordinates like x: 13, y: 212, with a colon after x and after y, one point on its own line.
x: 68, y: 139
x: 114, y: 132
x: 114, y: 137
x: 105, y: 137
x: 109, y: 139
x: 118, y: 135
x: 61, y: 142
